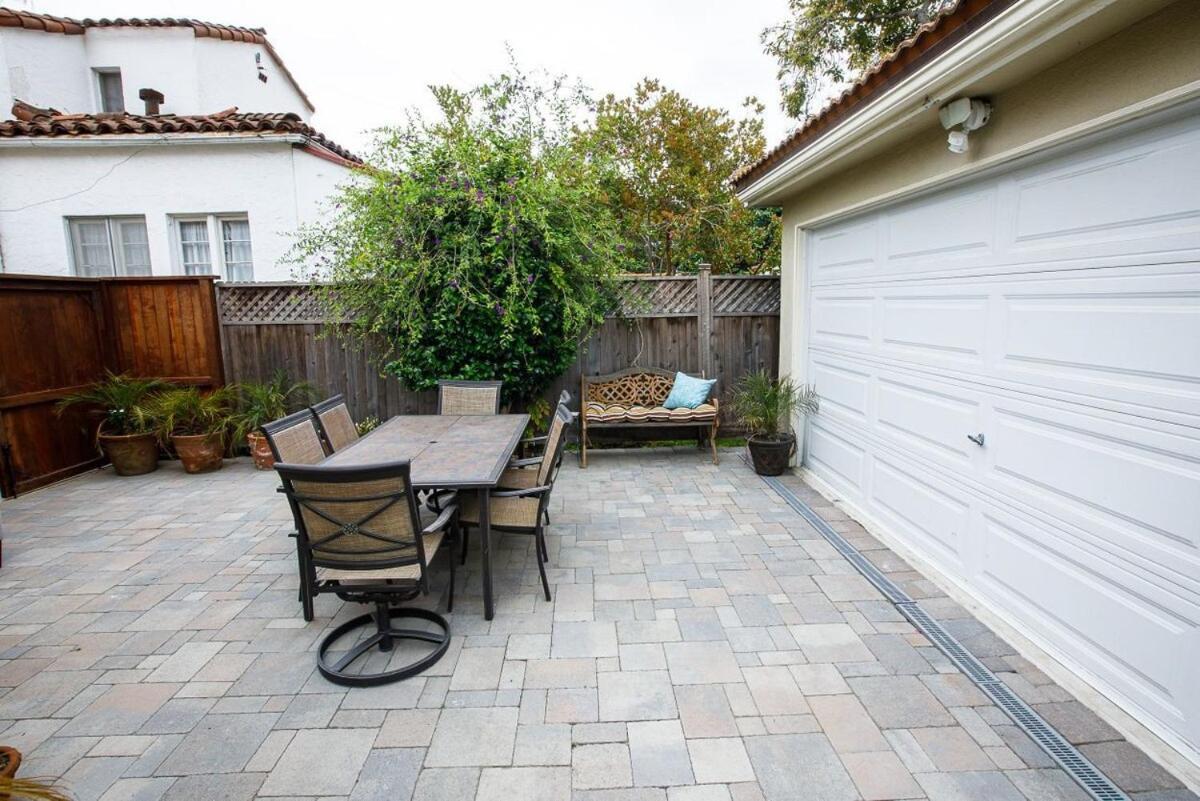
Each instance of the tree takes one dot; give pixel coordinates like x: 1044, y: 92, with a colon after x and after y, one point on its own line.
x: 478, y: 246
x: 826, y: 42
x: 671, y: 189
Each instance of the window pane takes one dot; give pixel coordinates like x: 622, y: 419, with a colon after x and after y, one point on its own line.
x: 112, y: 95
x: 93, y: 253
x: 235, y: 235
x: 135, y: 247
x: 193, y: 239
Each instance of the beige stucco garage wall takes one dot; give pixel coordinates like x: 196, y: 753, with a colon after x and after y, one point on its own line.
x: 1155, y: 55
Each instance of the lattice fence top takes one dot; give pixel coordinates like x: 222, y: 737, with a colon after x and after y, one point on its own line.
x: 259, y: 303
x: 745, y: 294
x: 659, y: 297
x: 666, y: 296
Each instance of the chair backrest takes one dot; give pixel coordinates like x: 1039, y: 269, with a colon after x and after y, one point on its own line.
x: 334, y: 423
x: 555, y: 439
x: 355, y: 518
x: 469, y: 397
x: 294, y: 439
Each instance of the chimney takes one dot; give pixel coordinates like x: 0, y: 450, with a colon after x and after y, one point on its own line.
x: 153, y: 99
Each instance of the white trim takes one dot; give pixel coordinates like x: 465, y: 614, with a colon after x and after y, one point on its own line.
x: 1013, y: 34
x: 1159, y: 745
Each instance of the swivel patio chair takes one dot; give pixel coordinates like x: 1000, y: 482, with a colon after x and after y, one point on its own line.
x: 469, y: 397
x: 362, y: 537
x: 523, y: 510
x: 334, y: 423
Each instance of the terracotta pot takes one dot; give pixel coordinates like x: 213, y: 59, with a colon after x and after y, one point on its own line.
x: 10, y: 760
x: 771, y: 454
x: 130, y: 454
x: 200, y: 453
x: 260, y: 449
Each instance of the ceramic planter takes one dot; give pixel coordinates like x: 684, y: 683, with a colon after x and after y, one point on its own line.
x: 260, y: 450
x: 130, y: 454
x: 199, y: 453
x: 771, y: 455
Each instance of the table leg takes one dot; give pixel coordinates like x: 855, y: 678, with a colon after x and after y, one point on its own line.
x: 485, y: 544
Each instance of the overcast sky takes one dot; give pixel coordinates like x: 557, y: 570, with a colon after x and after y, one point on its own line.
x: 362, y: 63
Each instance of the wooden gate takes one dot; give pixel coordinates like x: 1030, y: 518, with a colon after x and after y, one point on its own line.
x: 57, y: 335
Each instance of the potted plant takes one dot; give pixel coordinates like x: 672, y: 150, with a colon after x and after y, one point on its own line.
x: 195, y: 424
x: 259, y: 404
x: 126, y: 432
x: 765, y: 405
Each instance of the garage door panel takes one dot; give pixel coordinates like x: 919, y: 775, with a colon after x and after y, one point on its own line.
x: 1138, y: 488
x: 930, y: 418
x: 1144, y: 330
x: 926, y: 509
x: 1114, y: 193
x: 836, y: 456
x: 951, y: 326
x: 845, y: 251
x: 965, y: 222
x: 844, y: 391
x: 1134, y: 631
x: 842, y: 321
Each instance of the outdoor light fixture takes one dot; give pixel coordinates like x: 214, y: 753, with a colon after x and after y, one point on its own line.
x: 966, y: 114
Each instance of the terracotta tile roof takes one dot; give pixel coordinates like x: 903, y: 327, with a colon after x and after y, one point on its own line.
x: 935, y: 37
x: 28, y: 20
x: 31, y: 121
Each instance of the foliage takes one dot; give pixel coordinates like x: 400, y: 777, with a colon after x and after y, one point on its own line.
x: 479, y: 246
x: 671, y: 187
x: 765, y: 405
x: 184, y: 411
x: 539, y: 411
x: 827, y: 42
x: 31, y: 790
x: 259, y: 404
x: 367, y: 425
x: 121, y: 399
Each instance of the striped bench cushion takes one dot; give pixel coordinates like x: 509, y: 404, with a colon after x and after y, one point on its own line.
x: 615, y: 413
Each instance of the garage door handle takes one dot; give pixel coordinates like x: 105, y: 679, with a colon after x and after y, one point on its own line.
x: 976, y: 438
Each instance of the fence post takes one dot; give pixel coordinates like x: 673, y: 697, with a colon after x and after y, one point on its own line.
x: 704, y: 313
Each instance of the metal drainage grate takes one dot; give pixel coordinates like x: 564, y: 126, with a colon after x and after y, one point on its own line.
x: 1077, y: 766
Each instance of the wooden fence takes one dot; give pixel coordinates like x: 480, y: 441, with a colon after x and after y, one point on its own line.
x: 59, y: 335
x: 722, y: 326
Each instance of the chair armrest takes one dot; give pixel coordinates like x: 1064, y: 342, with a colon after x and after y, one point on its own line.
x: 531, y: 440
x: 522, y: 493
x: 442, y: 519
x: 525, y: 462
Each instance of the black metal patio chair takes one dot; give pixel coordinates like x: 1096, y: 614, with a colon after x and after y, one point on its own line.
x: 362, y: 537
x: 334, y: 423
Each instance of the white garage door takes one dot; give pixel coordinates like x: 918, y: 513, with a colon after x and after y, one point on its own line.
x: 1053, y: 310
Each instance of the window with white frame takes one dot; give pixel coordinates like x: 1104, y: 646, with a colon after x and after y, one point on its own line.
x: 215, y: 244
x: 111, y: 90
x: 106, y: 246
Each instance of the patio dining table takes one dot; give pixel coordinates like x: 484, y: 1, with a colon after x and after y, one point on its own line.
x: 467, y: 453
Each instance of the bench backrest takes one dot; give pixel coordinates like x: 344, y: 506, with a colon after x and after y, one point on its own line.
x: 638, y: 386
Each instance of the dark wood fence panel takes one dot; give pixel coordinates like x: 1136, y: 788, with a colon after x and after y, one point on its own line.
x: 662, y: 322
x: 57, y: 335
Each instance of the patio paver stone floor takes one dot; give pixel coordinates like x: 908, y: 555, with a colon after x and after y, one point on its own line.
x: 704, y: 644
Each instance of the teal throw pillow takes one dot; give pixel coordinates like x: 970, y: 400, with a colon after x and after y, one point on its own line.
x: 688, y: 392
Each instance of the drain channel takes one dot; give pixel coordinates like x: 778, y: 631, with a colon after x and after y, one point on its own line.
x: 1077, y: 766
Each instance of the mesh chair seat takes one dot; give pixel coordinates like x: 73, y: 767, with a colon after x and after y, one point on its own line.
x: 517, y: 478
x: 404, y: 573
x: 502, y: 512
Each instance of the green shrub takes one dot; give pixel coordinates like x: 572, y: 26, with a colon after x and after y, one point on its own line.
x: 479, y: 246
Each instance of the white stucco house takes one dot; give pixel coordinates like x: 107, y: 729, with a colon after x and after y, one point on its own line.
x: 1006, y: 339
x: 154, y: 147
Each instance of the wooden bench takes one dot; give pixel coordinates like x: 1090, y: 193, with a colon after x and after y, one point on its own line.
x: 634, y: 398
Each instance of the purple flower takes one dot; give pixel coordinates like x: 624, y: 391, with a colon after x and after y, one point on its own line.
x: 511, y: 182
x: 529, y: 279
x: 499, y: 309
x: 454, y: 283
x: 478, y: 195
